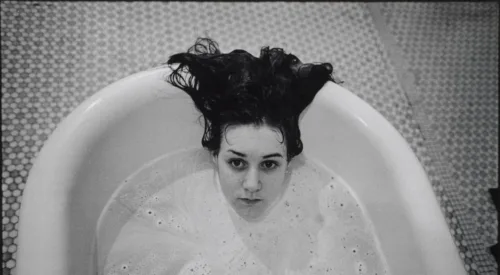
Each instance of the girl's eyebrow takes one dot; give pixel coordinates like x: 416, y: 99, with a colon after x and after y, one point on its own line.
x: 265, y: 157
x: 237, y: 153
x: 272, y: 155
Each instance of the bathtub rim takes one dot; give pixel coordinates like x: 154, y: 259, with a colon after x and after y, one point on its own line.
x: 394, y: 146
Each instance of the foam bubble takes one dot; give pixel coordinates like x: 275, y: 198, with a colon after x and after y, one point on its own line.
x: 360, y: 268
x: 196, y: 267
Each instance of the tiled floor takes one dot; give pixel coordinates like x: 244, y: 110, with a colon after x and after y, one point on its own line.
x: 449, y: 53
x: 440, y: 91
x: 452, y: 52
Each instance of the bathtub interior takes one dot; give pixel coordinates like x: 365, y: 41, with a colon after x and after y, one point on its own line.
x: 138, y: 119
x: 140, y: 137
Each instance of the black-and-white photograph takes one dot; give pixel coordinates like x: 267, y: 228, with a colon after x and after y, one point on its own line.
x: 252, y: 138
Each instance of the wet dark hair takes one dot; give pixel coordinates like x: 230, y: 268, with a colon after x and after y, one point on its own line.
x: 237, y: 88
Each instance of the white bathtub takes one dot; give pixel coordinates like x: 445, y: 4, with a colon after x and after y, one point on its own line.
x: 142, y: 117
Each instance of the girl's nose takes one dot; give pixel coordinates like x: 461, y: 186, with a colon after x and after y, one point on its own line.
x: 252, y: 183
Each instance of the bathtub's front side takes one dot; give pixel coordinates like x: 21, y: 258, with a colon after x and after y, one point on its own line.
x: 140, y: 118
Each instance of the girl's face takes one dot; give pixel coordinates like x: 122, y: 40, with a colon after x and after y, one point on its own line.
x: 251, y: 166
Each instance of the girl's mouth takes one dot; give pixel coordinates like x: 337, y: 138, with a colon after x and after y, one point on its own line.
x: 249, y: 202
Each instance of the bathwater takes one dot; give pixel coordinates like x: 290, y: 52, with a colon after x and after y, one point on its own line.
x: 170, y: 217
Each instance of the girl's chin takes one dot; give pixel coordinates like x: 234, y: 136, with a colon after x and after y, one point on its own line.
x: 251, y: 217
x: 253, y: 211
x: 250, y: 212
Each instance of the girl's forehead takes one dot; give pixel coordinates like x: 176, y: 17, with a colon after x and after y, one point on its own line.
x: 253, y: 138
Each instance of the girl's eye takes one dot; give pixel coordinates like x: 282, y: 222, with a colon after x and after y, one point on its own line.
x: 237, y: 163
x: 269, y: 165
